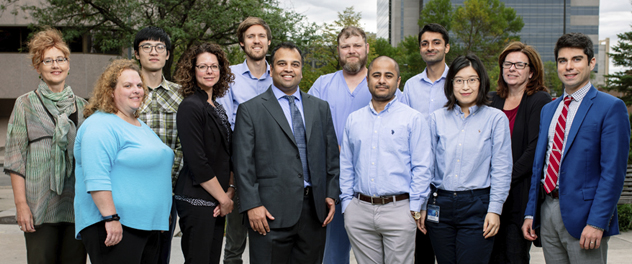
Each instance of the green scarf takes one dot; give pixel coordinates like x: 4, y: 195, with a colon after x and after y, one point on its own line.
x: 60, y: 106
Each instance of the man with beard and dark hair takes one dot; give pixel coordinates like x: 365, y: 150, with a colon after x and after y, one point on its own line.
x: 252, y: 78
x: 424, y: 92
x: 345, y: 91
x: 385, y: 163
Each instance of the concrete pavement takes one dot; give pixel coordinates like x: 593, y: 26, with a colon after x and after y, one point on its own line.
x: 13, y: 250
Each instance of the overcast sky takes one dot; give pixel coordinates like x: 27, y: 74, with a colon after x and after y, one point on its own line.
x: 615, y: 15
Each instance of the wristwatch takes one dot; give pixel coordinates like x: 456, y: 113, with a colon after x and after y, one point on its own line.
x: 110, y: 218
x: 417, y: 215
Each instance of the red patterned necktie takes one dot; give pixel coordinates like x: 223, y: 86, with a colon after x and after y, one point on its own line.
x: 553, y: 170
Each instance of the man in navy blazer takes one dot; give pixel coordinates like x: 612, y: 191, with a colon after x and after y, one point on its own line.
x: 579, y: 213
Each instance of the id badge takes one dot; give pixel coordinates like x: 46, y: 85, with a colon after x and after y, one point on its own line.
x: 433, y: 213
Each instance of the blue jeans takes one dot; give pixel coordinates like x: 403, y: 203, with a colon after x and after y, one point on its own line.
x: 458, y: 237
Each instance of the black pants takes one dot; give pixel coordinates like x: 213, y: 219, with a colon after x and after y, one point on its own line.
x: 54, y: 243
x: 137, y: 246
x: 167, y: 236
x: 302, y: 243
x: 424, y: 253
x: 202, y: 234
x: 458, y: 237
x: 510, y: 245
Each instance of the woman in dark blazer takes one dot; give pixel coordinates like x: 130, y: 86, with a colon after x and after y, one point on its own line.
x: 520, y: 95
x: 203, y: 190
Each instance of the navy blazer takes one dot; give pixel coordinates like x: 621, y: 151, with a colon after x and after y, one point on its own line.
x: 593, y: 165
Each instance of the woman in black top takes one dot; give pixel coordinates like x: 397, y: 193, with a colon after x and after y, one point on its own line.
x: 520, y: 95
x: 202, y: 193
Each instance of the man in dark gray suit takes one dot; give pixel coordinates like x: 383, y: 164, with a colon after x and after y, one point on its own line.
x: 285, y: 157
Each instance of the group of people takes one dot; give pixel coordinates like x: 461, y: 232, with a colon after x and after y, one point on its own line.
x: 444, y: 170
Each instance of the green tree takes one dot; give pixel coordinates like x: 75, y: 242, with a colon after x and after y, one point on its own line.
x: 112, y: 24
x: 551, y: 80
x: 622, y: 56
x: 437, y: 11
x: 485, y: 27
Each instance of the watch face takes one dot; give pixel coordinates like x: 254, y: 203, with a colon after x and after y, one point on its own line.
x: 417, y: 215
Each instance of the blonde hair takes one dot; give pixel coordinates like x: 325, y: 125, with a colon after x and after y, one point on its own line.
x: 43, y: 41
x: 102, y: 99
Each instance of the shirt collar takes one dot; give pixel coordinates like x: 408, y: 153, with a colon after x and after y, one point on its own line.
x: 242, y: 69
x: 459, y: 111
x: 424, y: 74
x: 164, y: 84
x: 388, y: 106
x: 579, y: 94
x: 279, y: 94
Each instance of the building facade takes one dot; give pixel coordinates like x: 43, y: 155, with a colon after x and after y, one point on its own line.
x: 544, y: 20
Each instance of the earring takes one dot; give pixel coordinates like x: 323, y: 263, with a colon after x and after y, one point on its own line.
x: 40, y: 77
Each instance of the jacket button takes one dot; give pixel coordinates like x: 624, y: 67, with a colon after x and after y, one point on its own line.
x: 300, y: 175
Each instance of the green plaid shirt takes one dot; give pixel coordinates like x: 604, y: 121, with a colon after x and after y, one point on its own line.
x: 159, y: 113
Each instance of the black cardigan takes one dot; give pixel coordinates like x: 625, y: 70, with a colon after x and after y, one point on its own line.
x: 205, y: 147
x: 523, y: 142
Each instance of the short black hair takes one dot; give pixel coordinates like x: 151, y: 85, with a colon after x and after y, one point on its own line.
x: 152, y: 33
x: 436, y: 28
x: 575, y: 40
x: 286, y: 45
x: 385, y: 57
x: 458, y: 64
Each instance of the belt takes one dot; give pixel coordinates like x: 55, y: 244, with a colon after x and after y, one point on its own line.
x: 473, y: 192
x: 555, y: 194
x: 381, y: 199
x: 307, y: 190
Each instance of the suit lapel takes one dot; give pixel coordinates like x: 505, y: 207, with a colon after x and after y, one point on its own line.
x: 308, y: 112
x: 579, y: 118
x: 271, y: 104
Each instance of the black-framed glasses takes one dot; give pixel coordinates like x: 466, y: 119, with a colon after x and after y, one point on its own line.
x: 519, y: 65
x: 160, y: 48
x: 204, y: 68
x: 59, y: 60
x: 460, y: 82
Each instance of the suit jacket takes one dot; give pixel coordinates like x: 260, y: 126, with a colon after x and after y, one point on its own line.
x: 593, y: 165
x: 267, y: 164
x: 205, y: 147
x: 523, y: 142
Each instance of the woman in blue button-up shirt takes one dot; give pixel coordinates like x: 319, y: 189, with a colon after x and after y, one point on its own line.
x: 472, y: 170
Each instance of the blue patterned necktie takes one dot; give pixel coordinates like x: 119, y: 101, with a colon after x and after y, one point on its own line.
x: 299, y: 135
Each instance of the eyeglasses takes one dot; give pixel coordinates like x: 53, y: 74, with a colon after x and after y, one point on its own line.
x: 461, y: 82
x: 160, y: 48
x: 204, y: 68
x: 519, y: 65
x: 59, y: 60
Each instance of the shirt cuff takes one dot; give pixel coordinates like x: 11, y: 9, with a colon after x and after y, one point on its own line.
x: 415, y: 205
x: 344, y: 204
x: 528, y: 217
x: 495, y: 207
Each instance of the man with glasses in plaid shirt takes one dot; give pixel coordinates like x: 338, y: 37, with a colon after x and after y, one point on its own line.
x: 151, y: 48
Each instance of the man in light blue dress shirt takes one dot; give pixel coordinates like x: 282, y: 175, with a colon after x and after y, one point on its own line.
x: 252, y: 78
x: 346, y: 91
x: 424, y: 92
x: 384, y: 171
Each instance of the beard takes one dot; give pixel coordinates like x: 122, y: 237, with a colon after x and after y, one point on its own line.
x: 382, y: 97
x: 254, y: 56
x: 431, y: 60
x: 353, y: 67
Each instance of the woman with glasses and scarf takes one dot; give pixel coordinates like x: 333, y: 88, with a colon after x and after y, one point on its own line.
x: 39, y: 155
